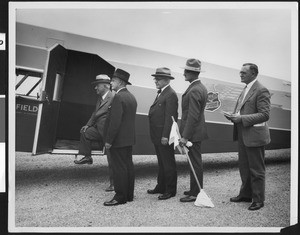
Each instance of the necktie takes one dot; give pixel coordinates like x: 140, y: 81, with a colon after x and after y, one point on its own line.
x: 240, y: 100
x: 158, y: 92
x: 100, y: 100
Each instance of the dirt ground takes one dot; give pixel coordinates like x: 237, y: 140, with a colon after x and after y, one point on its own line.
x: 52, y: 192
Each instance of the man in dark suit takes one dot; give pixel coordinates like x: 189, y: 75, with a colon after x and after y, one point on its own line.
x: 193, y: 126
x: 93, y: 130
x: 250, y: 115
x: 160, y: 119
x: 120, y: 137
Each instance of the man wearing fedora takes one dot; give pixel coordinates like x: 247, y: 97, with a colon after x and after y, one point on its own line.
x: 193, y: 126
x: 120, y: 137
x: 160, y: 120
x: 94, y: 129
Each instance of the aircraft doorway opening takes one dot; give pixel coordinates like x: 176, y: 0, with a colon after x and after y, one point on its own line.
x: 75, y: 98
x: 66, y: 99
x: 53, y: 103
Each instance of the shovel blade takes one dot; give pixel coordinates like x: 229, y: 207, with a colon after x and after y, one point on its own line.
x: 203, y: 200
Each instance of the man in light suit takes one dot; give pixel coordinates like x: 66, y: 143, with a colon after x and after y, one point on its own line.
x: 250, y: 115
x: 93, y: 130
x: 160, y: 119
x: 120, y: 137
x: 193, y: 126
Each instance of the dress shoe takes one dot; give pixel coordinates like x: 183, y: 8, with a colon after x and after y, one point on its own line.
x: 84, y: 160
x: 153, y: 191
x: 240, y: 199
x: 187, y: 193
x: 110, y: 188
x: 188, y: 199
x: 256, y: 206
x: 166, y: 196
x: 113, y: 202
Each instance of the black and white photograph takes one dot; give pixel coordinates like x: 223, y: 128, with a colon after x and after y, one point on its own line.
x: 152, y: 117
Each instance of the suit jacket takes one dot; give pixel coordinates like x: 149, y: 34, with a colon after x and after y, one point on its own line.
x: 160, y: 115
x: 101, y: 112
x: 193, y: 104
x: 120, y: 130
x: 255, y: 113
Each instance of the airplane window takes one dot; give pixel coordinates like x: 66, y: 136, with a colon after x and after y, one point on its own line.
x: 28, y: 83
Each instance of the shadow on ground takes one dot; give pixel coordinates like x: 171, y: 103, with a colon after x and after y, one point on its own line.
x: 60, y: 169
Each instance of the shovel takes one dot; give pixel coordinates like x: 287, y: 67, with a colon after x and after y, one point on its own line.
x: 202, y: 200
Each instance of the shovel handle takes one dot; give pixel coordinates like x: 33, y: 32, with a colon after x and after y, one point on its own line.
x: 192, y: 168
x: 191, y: 165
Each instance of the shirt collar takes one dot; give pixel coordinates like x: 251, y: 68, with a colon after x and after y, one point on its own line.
x: 120, y: 89
x: 103, y: 97
x: 196, y: 80
x: 162, y: 89
x: 249, y: 85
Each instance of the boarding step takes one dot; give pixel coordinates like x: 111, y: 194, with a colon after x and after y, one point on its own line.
x: 75, y: 152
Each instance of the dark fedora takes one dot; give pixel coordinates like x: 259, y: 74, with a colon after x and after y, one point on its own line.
x: 123, y: 75
x: 101, y: 78
x: 162, y: 73
x: 193, y: 65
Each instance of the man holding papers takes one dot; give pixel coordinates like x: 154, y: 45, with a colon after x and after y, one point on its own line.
x: 250, y: 115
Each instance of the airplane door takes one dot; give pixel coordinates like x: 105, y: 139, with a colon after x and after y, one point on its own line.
x: 45, y: 131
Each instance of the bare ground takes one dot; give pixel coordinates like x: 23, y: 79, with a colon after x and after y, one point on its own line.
x: 51, y: 191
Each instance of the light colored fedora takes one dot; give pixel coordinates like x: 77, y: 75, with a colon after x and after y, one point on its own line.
x: 162, y: 73
x: 101, y: 78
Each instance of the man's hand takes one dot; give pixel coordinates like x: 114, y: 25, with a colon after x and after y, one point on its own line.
x: 227, y: 115
x: 107, y: 145
x: 182, y: 142
x: 234, y: 117
x: 164, y: 141
x: 83, y: 129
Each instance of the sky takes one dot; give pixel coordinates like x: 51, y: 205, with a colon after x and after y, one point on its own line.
x: 227, y: 34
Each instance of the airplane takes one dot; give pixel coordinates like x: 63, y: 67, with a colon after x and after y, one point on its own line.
x: 55, y: 98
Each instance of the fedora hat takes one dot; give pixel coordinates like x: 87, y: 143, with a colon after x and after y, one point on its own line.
x: 193, y: 65
x: 101, y: 78
x: 163, y: 73
x: 123, y: 75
